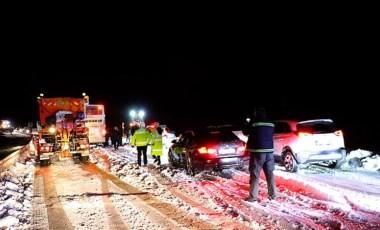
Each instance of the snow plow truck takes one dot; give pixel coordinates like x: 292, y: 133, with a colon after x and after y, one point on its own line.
x: 62, y: 130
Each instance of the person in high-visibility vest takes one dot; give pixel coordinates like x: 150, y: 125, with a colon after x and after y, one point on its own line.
x: 141, y: 139
x: 157, y: 145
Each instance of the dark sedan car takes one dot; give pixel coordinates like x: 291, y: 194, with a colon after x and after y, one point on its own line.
x: 213, y: 148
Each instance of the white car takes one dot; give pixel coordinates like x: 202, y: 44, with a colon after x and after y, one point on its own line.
x: 313, y: 141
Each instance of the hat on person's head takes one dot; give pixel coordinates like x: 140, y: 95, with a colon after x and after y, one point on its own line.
x: 259, y: 111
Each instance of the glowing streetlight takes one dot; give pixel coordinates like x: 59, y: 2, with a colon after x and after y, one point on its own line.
x: 86, y: 98
x: 141, y: 114
x: 41, y: 96
x: 137, y: 116
x: 132, y: 114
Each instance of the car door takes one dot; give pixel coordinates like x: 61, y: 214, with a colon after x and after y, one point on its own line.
x: 282, y: 137
x: 278, y: 138
x: 180, y: 147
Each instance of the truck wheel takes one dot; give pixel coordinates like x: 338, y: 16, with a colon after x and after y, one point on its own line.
x: 85, y: 159
x: 76, y: 160
x: 44, y: 162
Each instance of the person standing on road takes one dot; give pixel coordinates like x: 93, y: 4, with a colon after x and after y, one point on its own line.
x: 116, y: 137
x: 260, y: 146
x: 140, y: 139
x: 153, y: 132
x: 157, y: 145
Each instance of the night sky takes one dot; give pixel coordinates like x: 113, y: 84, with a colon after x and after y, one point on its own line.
x: 187, y: 91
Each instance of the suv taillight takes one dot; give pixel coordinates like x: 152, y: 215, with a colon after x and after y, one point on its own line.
x: 241, y: 148
x: 339, y: 133
x: 304, y: 134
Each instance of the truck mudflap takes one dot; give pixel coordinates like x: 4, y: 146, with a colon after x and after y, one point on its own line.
x: 45, y: 158
x: 85, y: 156
x: 47, y: 155
x: 81, y: 155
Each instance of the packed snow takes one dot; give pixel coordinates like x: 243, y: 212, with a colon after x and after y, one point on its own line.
x: 313, y: 198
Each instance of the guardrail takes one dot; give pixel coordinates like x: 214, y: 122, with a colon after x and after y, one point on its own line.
x: 13, y: 157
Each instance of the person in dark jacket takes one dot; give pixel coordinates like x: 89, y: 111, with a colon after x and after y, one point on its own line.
x: 116, y: 137
x: 260, y: 146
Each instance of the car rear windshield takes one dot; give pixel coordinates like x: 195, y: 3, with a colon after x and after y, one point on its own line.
x: 217, y: 136
x: 316, y: 127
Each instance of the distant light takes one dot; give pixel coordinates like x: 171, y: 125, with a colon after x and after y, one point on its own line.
x: 5, y: 124
x: 132, y: 113
x: 52, y: 129
x: 141, y: 114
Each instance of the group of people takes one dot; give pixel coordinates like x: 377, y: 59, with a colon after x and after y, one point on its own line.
x: 259, y: 144
x: 142, y: 137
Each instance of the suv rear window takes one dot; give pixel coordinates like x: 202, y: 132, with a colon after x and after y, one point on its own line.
x: 316, y: 127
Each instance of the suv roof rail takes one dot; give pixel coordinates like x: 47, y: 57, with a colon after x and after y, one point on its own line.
x: 317, y: 120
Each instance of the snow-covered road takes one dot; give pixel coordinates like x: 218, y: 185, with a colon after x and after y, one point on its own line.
x: 114, y: 193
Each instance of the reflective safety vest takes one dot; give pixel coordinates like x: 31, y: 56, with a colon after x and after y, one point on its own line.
x: 156, y: 144
x: 141, y: 137
x: 260, y: 137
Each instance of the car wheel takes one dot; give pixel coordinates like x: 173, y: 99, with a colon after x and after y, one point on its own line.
x: 172, y: 160
x: 289, y: 162
x: 170, y: 157
x: 189, y: 166
x: 338, y: 164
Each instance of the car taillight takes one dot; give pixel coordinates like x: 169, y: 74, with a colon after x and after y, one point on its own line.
x: 46, y: 148
x: 339, y: 133
x: 303, y: 134
x: 204, y: 150
x: 104, y: 132
x: 82, y: 146
x: 241, y: 148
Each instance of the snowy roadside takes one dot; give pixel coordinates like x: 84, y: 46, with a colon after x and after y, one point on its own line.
x: 343, y: 192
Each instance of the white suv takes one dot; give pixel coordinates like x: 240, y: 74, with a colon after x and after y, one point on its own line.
x: 312, y: 141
